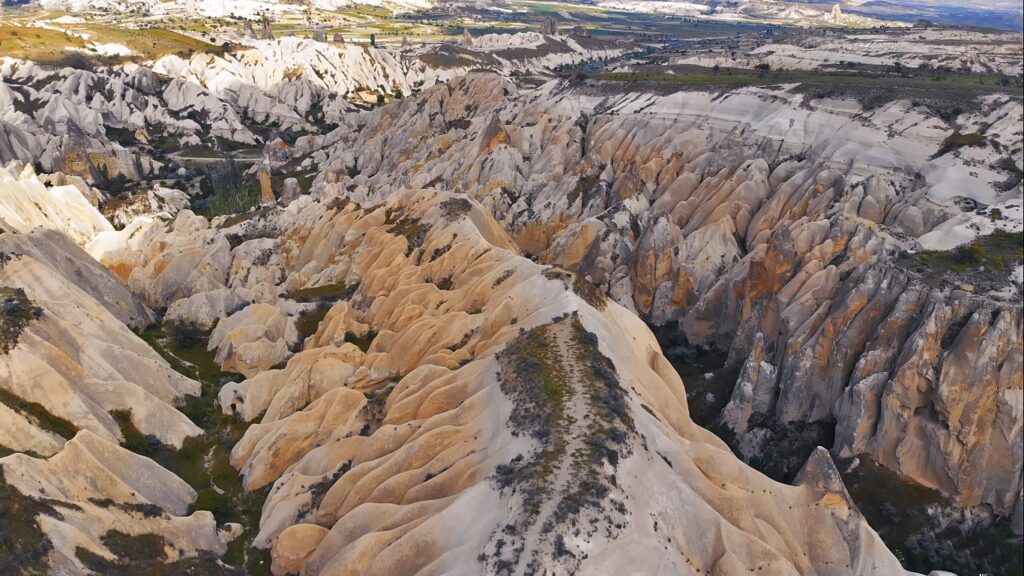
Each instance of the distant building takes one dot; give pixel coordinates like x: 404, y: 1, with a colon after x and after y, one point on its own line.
x: 338, y: 38
x: 248, y: 32
x: 580, y: 31
x: 549, y: 27
x: 923, y: 23
x: 319, y: 34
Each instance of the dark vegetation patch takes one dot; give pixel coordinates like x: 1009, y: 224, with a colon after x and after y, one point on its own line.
x: 787, y: 445
x: 361, y: 342
x: 39, y: 415
x: 608, y: 429
x: 454, y: 208
x: 535, y: 374
x: 946, y: 94
x: 16, y: 312
x: 709, y: 382
x: 957, y: 140
x: 984, y: 263
x: 925, y: 530
x: 23, y: 545
x: 204, y: 461
x: 557, y: 274
x: 144, y: 510
x: 904, y: 513
x: 309, y: 320
x: 319, y: 489
x: 376, y: 400
x: 144, y: 554
x: 504, y: 276
x: 224, y: 190
x: 589, y: 293
x: 1013, y: 178
x: 325, y: 293
x: 412, y: 229
x: 533, y: 377
x: 185, y: 334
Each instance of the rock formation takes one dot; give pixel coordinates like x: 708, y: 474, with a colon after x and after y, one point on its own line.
x: 439, y: 351
x: 376, y: 449
x: 653, y: 199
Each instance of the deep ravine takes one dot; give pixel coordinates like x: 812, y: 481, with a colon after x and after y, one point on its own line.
x: 204, y: 461
x: 927, y: 527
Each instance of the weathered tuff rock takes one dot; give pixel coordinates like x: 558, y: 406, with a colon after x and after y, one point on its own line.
x: 77, y: 358
x: 25, y: 204
x: 68, y: 360
x: 754, y: 216
x: 96, y: 487
x: 254, y: 339
x: 393, y: 456
x: 105, y: 124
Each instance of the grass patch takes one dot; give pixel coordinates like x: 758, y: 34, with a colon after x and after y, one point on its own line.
x: 984, y: 263
x: 149, y: 43
x: 201, y: 152
x: 946, y: 96
x: 225, y: 190
x: 51, y: 47
x: 920, y: 539
x: 39, y: 415
x: 37, y: 44
x: 547, y: 374
x: 327, y: 293
x: 305, y: 181
x: 533, y: 376
x: 203, y: 461
x: 589, y: 293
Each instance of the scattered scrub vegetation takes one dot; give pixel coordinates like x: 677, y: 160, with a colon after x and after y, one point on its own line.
x: 414, y: 231
x: 983, y: 263
x: 24, y: 547
x: 16, y: 312
x: 38, y: 415
x: 224, y: 190
x: 454, y: 208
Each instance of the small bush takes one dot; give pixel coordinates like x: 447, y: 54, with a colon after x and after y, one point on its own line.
x: 184, y: 335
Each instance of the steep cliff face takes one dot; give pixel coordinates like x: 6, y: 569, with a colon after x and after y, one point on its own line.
x: 766, y: 225
x: 461, y: 409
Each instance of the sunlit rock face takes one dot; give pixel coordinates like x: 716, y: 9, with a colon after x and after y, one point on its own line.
x: 764, y: 224
x: 463, y: 409
x: 69, y: 363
